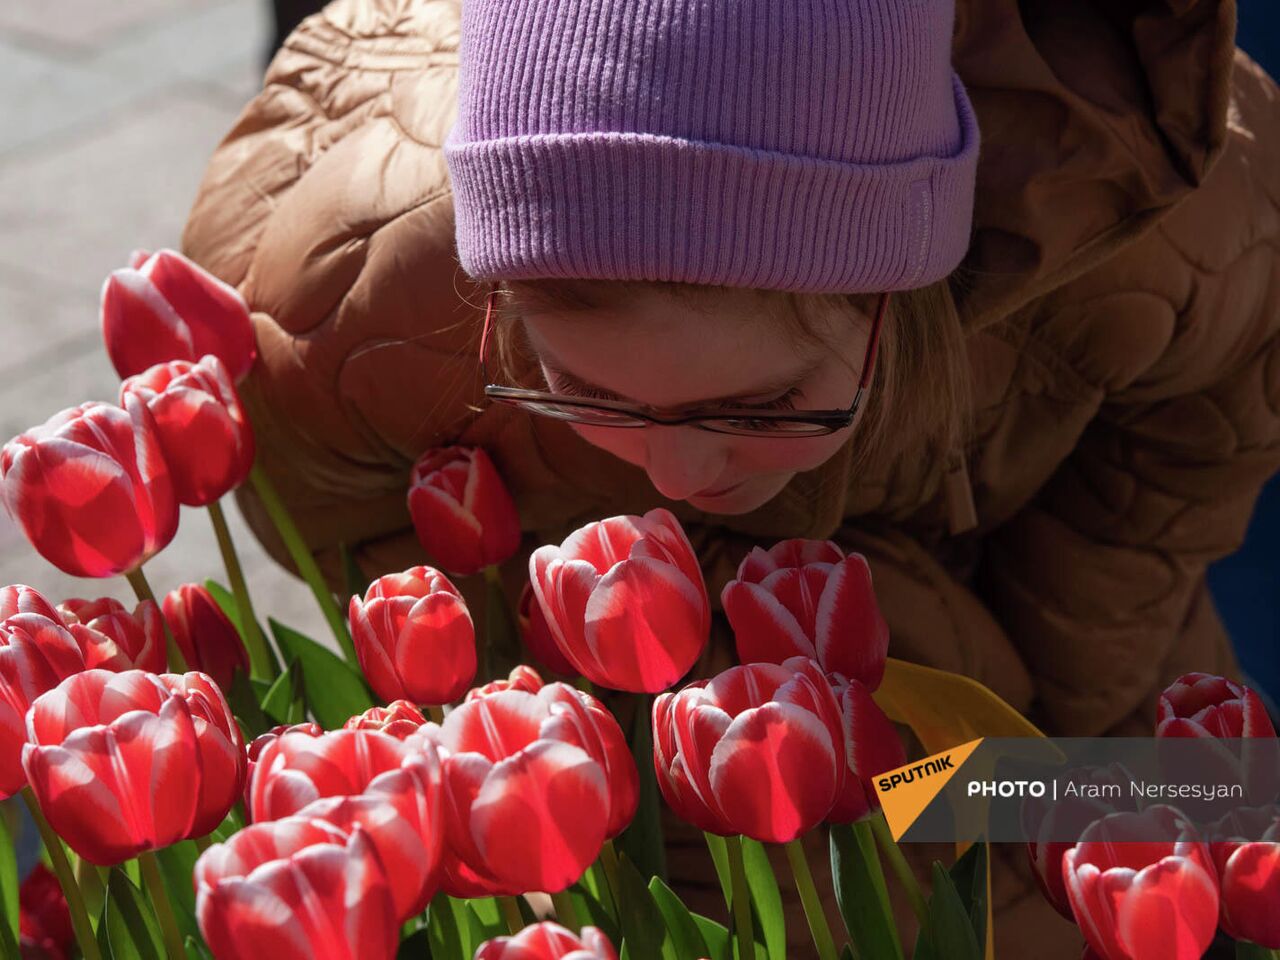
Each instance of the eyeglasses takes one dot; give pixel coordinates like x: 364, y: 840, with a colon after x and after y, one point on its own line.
x: 740, y: 421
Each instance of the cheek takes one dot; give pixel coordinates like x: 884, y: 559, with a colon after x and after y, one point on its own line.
x: 794, y: 455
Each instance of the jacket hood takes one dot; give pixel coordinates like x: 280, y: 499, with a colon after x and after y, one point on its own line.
x: 1097, y: 117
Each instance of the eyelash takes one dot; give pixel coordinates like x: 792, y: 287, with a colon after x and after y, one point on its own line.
x: 784, y: 402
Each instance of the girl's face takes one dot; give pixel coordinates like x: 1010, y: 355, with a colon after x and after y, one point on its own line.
x: 656, y: 349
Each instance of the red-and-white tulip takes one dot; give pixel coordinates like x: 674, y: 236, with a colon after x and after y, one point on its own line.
x: 44, y: 922
x: 534, y: 783
x: 1205, y: 705
x: 399, y: 719
x: 757, y: 750
x: 36, y: 654
x: 299, y: 774
x: 156, y: 758
x: 414, y: 637
x: 90, y: 488
x: 536, y: 635
x: 463, y: 514
x: 201, y: 425
x: 871, y: 745
x: 296, y: 889
x: 207, y: 638
x: 113, y: 638
x: 806, y: 598
x: 165, y: 307
x: 549, y: 941
x: 625, y: 601
x: 1246, y: 852
x: 19, y: 598
x: 1142, y: 886
x: 254, y: 748
x: 521, y: 678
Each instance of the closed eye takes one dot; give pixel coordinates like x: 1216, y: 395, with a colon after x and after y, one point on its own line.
x: 572, y: 389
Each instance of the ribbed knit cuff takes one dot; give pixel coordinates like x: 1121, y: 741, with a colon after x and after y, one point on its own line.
x: 635, y: 206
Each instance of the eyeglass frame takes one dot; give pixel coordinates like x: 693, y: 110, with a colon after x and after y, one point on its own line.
x: 833, y: 419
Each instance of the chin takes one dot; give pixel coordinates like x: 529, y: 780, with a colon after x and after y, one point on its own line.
x: 738, y: 501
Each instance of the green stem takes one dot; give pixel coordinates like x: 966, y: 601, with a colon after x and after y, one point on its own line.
x: 262, y: 662
x: 809, y: 898
x: 62, y: 867
x: 435, y: 713
x: 566, y: 915
x: 203, y: 843
x: 609, y: 860
x: 741, y: 905
x: 91, y: 887
x: 304, y: 561
x: 511, y: 912
x: 897, y: 862
x: 164, y: 910
x: 138, y: 580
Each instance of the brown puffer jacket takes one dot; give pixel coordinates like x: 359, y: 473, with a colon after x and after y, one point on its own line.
x: 1122, y: 330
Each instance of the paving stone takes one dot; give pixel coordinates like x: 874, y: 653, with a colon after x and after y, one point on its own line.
x: 43, y: 324
x: 72, y: 215
x: 87, y: 24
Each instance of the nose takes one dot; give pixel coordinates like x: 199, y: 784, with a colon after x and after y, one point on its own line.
x: 682, y: 460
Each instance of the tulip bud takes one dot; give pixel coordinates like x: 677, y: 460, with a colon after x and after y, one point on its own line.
x: 201, y: 425
x: 625, y: 601
x: 549, y: 941
x: 462, y: 512
x: 399, y: 719
x: 758, y: 750
x: 167, y: 307
x: 36, y: 654
x: 19, y: 598
x: 44, y: 922
x: 1249, y: 873
x: 1205, y: 705
x: 1142, y: 886
x: 805, y: 598
x: 113, y: 638
x: 536, y: 635
x: 259, y: 743
x: 521, y: 678
x: 414, y: 637
x: 157, y: 759
x: 535, y: 783
x: 293, y: 889
x: 90, y: 488
x: 207, y: 638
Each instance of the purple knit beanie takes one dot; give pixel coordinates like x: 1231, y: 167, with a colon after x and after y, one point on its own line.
x: 809, y: 145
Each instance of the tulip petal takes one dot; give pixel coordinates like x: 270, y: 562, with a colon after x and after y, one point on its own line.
x: 764, y: 630
x: 1169, y: 913
x: 775, y: 773
x: 851, y: 636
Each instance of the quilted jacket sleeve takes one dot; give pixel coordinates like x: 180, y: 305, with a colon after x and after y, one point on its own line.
x: 1100, y: 580
x: 328, y: 206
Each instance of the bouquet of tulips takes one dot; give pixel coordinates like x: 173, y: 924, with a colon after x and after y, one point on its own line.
x: 207, y: 788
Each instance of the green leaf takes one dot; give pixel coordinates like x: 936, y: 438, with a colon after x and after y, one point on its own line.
x: 969, y: 874
x: 1252, y: 951
x: 417, y: 946
x: 283, y: 701
x: 244, y: 703
x: 442, y: 929
x: 488, y: 915
x: 643, y: 928
x: 947, y: 933
x: 861, y: 893
x: 681, y: 927
x: 196, y: 950
x: 356, y: 581
x: 643, y: 841
x: 8, y: 886
x: 592, y: 910
x: 715, y: 936
x: 765, y: 898
x: 128, y: 929
x: 177, y: 864
x: 334, y: 691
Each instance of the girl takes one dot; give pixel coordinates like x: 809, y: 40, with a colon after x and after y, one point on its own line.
x: 986, y: 293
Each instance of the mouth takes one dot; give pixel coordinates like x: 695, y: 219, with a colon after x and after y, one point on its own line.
x: 719, y: 492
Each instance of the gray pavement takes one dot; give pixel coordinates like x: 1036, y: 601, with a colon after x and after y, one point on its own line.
x: 109, y: 112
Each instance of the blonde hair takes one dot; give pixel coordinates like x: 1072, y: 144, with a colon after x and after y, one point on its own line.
x: 919, y: 389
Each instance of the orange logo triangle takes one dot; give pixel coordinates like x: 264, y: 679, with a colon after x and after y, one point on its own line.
x: 906, y: 791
